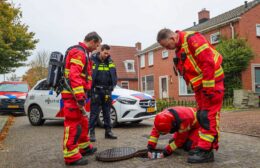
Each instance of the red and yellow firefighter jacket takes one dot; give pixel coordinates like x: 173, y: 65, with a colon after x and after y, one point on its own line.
x: 188, y: 123
x: 78, y: 70
x: 198, y: 61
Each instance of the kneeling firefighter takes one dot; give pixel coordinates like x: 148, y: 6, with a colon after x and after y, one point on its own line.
x: 104, y: 80
x: 78, y: 74
x: 179, y: 121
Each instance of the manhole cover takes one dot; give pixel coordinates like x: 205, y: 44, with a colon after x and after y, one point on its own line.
x: 116, y: 154
x: 122, y: 153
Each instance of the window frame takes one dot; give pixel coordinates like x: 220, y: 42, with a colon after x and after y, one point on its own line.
x: 145, y: 85
x: 211, y: 38
x: 125, y: 82
x: 150, y: 58
x: 126, y: 62
x: 164, y: 51
x: 257, y: 30
x: 142, y: 61
x: 186, y: 88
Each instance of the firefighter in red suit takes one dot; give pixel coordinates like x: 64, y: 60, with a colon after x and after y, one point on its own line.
x: 200, y: 65
x: 179, y: 121
x: 78, y: 67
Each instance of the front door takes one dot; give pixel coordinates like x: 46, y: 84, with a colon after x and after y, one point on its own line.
x: 164, y: 87
x: 257, y: 80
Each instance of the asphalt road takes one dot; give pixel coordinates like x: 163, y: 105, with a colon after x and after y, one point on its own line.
x: 27, y: 146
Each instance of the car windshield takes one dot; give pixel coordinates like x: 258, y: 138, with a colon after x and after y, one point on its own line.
x: 11, y: 87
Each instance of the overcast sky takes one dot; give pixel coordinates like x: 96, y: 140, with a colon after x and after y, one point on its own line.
x: 59, y: 24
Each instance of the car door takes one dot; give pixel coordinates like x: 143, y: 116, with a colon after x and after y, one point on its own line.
x: 47, y: 100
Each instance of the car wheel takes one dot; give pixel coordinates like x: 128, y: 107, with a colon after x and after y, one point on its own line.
x: 35, y: 115
x: 136, y: 122
x: 113, y: 118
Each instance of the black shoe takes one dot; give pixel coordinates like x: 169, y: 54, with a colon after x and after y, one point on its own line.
x: 201, y: 156
x: 92, y: 136
x: 109, y: 135
x: 80, y: 162
x: 89, y: 151
x: 194, y: 151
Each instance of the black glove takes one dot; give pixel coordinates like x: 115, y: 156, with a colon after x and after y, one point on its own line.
x: 81, y: 102
x: 165, y: 153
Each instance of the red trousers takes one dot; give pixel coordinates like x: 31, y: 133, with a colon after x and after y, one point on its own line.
x: 208, y: 116
x: 75, y: 132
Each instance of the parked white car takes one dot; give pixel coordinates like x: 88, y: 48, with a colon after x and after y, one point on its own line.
x: 127, y: 106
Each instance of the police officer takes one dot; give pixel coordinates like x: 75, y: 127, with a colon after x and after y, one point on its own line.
x: 104, y: 80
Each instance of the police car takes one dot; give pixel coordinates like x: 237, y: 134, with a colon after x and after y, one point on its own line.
x: 127, y: 105
x: 12, y: 96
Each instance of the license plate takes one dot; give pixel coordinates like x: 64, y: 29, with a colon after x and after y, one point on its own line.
x: 150, y: 109
x: 13, y: 106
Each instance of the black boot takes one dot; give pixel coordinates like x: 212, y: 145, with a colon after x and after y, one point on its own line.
x: 80, y: 162
x: 89, y: 151
x: 109, y: 134
x: 92, y: 135
x: 201, y: 156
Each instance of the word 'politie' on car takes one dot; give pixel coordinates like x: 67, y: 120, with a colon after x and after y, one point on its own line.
x: 127, y: 105
x: 12, y: 96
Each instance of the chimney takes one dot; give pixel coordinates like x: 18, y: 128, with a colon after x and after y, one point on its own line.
x: 138, y: 46
x: 246, y: 5
x: 203, y: 15
x: 194, y: 23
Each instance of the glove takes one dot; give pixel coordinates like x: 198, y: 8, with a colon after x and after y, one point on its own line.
x: 165, y: 153
x: 81, y: 102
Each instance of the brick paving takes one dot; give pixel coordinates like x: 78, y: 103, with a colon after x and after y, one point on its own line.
x: 40, y: 147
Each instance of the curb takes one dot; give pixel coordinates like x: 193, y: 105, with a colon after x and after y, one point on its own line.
x: 3, y: 121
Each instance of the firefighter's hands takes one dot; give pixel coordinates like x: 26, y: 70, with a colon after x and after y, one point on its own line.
x: 81, y: 103
x: 150, y: 155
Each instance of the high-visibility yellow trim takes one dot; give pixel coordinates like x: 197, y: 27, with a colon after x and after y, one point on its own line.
x: 188, y: 128
x: 195, y: 116
x: 196, y: 79
x: 67, y: 153
x: 173, y: 146
x: 219, y: 72
x: 83, y: 75
x: 208, y: 83
x: 111, y: 65
x: 103, y: 68
x: 65, y: 91
x: 75, y: 61
x: 201, y: 48
x: 93, y: 66
x: 78, y: 90
x: 67, y: 71
x: 153, y: 139
x: 84, y: 145
x: 89, y: 77
x: 206, y: 137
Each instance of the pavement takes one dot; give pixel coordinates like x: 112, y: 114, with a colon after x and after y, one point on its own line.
x: 3, y: 120
x: 27, y: 146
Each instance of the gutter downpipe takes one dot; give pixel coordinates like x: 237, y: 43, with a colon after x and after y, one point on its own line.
x: 232, y: 31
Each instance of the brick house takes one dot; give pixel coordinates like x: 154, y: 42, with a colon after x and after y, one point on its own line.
x: 155, y: 64
x: 125, y: 61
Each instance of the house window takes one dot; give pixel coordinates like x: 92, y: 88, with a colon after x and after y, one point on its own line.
x: 148, y: 84
x: 142, y: 61
x: 215, y: 38
x: 183, y: 88
x: 165, y: 54
x: 129, y: 65
x: 125, y: 84
x: 258, y: 30
x: 150, y: 58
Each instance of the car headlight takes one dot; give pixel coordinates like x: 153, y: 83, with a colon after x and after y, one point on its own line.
x: 125, y: 100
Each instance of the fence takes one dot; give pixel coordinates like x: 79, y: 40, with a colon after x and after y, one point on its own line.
x: 165, y: 103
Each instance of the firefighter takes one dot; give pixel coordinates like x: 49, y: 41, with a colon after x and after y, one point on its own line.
x: 200, y: 65
x: 104, y: 80
x: 76, y: 145
x: 179, y: 121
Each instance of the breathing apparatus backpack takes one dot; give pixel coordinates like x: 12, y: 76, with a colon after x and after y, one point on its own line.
x: 56, y: 69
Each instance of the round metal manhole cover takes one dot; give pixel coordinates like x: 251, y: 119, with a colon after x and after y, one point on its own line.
x: 116, y: 154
